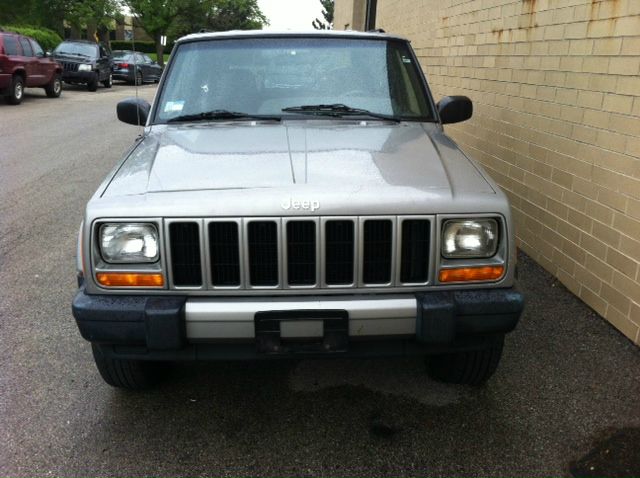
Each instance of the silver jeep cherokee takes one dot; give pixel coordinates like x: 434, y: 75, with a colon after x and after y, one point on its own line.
x: 295, y: 195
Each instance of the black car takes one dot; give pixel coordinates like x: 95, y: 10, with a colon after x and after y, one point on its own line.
x: 134, y: 67
x: 85, y: 62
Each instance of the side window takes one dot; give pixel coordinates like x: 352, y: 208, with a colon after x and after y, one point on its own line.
x: 103, y: 52
x: 139, y: 59
x: 26, y: 47
x: 10, y: 45
x: 146, y: 59
x: 37, y: 49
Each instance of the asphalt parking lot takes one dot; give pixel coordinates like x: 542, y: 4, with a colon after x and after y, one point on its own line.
x: 565, y: 399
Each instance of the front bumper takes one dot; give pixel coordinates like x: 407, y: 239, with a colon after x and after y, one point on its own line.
x: 190, y: 328
x: 79, y: 76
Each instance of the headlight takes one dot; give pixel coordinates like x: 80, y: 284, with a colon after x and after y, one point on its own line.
x: 471, y: 238
x: 85, y: 67
x: 128, y: 243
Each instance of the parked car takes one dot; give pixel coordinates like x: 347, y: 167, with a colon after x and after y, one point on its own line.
x: 85, y: 62
x: 295, y: 195
x: 136, y: 68
x: 24, y: 64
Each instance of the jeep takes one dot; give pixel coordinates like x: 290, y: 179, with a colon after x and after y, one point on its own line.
x: 85, y: 62
x: 295, y: 195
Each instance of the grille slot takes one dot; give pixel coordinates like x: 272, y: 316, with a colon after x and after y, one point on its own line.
x: 185, y: 254
x: 376, y: 256
x: 225, y: 254
x: 263, y: 253
x: 414, y: 266
x: 339, y: 245
x: 301, y: 252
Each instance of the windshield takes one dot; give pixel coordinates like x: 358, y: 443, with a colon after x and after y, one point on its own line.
x: 83, y: 49
x: 263, y: 76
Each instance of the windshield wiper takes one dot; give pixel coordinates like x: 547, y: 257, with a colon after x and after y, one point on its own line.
x: 221, y: 115
x: 338, y: 109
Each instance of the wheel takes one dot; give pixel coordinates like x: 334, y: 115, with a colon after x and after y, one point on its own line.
x: 93, y: 84
x: 54, y: 89
x: 473, y: 367
x: 139, y: 78
x: 127, y: 374
x: 108, y: 83
x: 16, y: 90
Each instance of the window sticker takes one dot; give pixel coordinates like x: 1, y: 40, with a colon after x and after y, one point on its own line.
x: 406, y: 59
x: 173, y: 106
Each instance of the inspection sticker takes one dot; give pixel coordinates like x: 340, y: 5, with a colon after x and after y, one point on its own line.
x: 173, y: 106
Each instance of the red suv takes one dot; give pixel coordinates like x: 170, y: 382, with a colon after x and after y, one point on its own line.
x: 23, y: 64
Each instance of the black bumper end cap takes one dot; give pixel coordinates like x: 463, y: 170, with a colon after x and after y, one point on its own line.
x: 445, y: 315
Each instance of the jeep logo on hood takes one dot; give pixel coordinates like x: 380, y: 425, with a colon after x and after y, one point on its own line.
x: 305, y: 204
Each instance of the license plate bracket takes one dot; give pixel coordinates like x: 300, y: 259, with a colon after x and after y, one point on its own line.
x: 334, y: 338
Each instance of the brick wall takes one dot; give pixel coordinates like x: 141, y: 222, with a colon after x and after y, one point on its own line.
x: 556, y: 91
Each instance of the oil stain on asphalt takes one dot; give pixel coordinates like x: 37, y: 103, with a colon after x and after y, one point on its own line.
x: 617, y: 455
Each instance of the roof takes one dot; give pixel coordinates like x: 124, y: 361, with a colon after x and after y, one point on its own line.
x: 288, y: 33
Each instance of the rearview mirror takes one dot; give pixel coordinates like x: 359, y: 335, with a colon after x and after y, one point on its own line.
x: 133, y: 111
x: 454, y: 109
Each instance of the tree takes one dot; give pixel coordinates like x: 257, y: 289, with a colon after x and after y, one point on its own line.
x: 96, y: 15
x: 156, y: 18
x: 220, y: 15
x: 327, y: 14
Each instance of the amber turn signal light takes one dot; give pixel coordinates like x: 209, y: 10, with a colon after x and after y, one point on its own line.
x: 466, y: 274
x: 123, y: 279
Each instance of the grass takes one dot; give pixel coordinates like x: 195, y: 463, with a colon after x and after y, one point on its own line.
x: 154, y: 57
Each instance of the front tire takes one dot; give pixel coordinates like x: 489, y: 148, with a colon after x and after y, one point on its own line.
x: 108, y: 83
x: 139, y: 79
x: 16, y: 90
x: 93, y: 84
x: 473, y: 367
x: 54, y: 89
x: 126, y: 374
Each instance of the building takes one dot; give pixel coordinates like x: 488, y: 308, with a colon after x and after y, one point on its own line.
x: 556, y: 92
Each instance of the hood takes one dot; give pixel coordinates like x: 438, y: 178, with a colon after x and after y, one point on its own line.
x: 298, y: 157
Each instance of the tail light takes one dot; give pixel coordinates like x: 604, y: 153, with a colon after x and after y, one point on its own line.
x: 123, y: 65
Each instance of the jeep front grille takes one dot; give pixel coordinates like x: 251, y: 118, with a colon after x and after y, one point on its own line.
x: 299, y: 253
x: 67, y: 66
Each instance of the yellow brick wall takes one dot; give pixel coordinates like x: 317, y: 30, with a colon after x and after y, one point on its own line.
x: 556, y: 92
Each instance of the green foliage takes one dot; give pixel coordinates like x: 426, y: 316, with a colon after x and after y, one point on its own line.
x: 327, y: 14
x: 97, y: 13
x: 48, y: 39
x: 154, y: 57
x: 93, y: 14
x: 148, y: 47
x: 175, y: 18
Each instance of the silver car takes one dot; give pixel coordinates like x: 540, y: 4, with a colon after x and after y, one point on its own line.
x: 295, y: 195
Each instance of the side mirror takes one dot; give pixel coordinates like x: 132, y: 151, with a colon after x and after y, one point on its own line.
x: 133, y: 111
x: 454, y: 109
